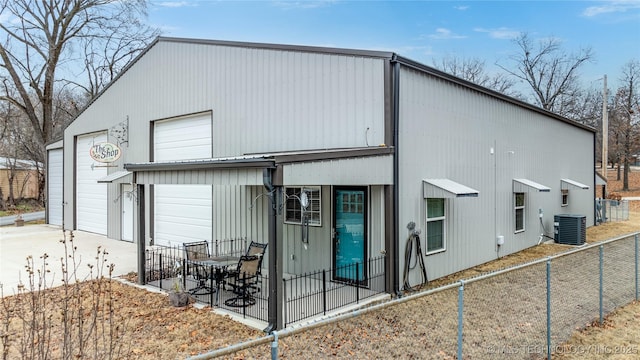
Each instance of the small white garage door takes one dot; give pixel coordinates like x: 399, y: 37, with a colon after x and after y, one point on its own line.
x: 182, y: 139
x: 91, y: 196
x: 182, y: 213
x: 54, y: 187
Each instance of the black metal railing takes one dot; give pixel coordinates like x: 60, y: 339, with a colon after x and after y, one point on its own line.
x: 319, y: 292
x: 168, y: 269
x: 305, y: 295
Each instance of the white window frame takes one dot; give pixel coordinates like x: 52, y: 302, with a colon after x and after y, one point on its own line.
x: 443, y: 219
x: 292, y: 204
x: 517, y: 207
x: 564, y: 194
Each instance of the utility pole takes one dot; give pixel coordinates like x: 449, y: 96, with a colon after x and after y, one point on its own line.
x: 605, y: 130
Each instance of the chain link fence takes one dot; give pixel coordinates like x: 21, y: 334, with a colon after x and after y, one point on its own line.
x: 608, y: 210
x: 524, y: 312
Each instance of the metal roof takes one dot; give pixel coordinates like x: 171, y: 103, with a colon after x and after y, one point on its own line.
x: 524, y: 185
x: 114, y: 176
x: 573, y: 183
x: 446, y: 188
x: 263, y: 160
x: 391, y: 56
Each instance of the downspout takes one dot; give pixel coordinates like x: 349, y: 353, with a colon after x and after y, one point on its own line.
x: 396, y: 167
x: 141, y: 238
x: 275, y: 302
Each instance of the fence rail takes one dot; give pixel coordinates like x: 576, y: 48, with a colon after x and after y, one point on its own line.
x: 524, y: 312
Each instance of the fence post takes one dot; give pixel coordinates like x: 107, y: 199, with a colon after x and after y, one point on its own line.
x: 460, y: 314
x: 324, y: 292
x: 601, y: 271
x: 636, y: 251
x: 549, y: 308
x: 211, y: 285
x: 274, y: 345
x: 357, y: 283
x: 184, y: 274
x: 286, y: 302
x: 161, y: 272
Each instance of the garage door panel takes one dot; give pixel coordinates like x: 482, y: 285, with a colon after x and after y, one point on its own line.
x: 183, y: 139
x: 182, y: 214
x: 54, y: 187
x: 91, y: 196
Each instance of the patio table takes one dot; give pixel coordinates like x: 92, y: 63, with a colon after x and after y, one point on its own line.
x: 219, y: 264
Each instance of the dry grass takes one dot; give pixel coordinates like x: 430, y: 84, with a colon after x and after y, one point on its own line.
x: 153, y: 328
x: 156, y: 330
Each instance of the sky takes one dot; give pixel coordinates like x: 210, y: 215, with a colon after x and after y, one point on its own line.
x: 424, y: 31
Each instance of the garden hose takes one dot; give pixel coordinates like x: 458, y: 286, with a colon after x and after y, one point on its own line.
x: 414, y: 238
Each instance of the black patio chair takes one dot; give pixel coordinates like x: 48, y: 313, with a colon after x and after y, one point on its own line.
x: 195, y: 251
x: 243, y: 281
x: 254, y: 249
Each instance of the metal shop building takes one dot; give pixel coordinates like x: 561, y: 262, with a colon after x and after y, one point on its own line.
x: 201, y: 140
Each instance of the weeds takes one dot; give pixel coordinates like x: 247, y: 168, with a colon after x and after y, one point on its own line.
x: 73, y: 321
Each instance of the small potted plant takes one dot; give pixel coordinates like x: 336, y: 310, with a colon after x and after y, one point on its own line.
x: 177, y: 296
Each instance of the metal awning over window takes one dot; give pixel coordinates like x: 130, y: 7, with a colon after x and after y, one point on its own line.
x: 114, y: 176
x: 600, y: 180
x: 446, y: 188
x: 565, y: 183
x: 525, y: 185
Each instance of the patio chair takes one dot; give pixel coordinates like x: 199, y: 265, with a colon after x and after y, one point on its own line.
x: 195, y: 251
x: 254, y: 249
x: 243, y: 280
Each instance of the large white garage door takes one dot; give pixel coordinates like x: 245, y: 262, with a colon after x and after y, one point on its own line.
x: 54, y: 187
x: 182, y: 213
x: 91, y: 197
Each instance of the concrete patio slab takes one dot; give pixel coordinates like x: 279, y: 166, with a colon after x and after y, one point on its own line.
x: 17, y: 243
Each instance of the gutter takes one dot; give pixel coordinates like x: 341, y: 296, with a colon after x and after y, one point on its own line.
x: 201, y: 165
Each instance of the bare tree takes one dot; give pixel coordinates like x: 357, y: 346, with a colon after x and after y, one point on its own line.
x: 474, y: 70
x: 106, y: 55
x: 625, y: 110
x: 551, y: 72
x: 40, y: 43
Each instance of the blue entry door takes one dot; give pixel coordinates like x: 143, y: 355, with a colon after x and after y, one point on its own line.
x: 350, y: 233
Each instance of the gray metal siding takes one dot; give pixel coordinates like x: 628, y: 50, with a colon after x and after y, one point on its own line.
x: 261, y: 100
x: 357, y: 171
x: 318, y: 253
x: 248, y: 176
x: 448, y: 131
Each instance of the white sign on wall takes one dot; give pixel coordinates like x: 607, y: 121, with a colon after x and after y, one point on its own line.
x: 105, y: 152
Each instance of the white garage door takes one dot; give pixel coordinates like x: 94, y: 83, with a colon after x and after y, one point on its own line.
x: 182, y: 139
x: 182, y: 213
x: 54, y: 187
x: 91, y: 197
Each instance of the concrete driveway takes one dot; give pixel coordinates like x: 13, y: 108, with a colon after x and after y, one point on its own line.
x: 16, y: 243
